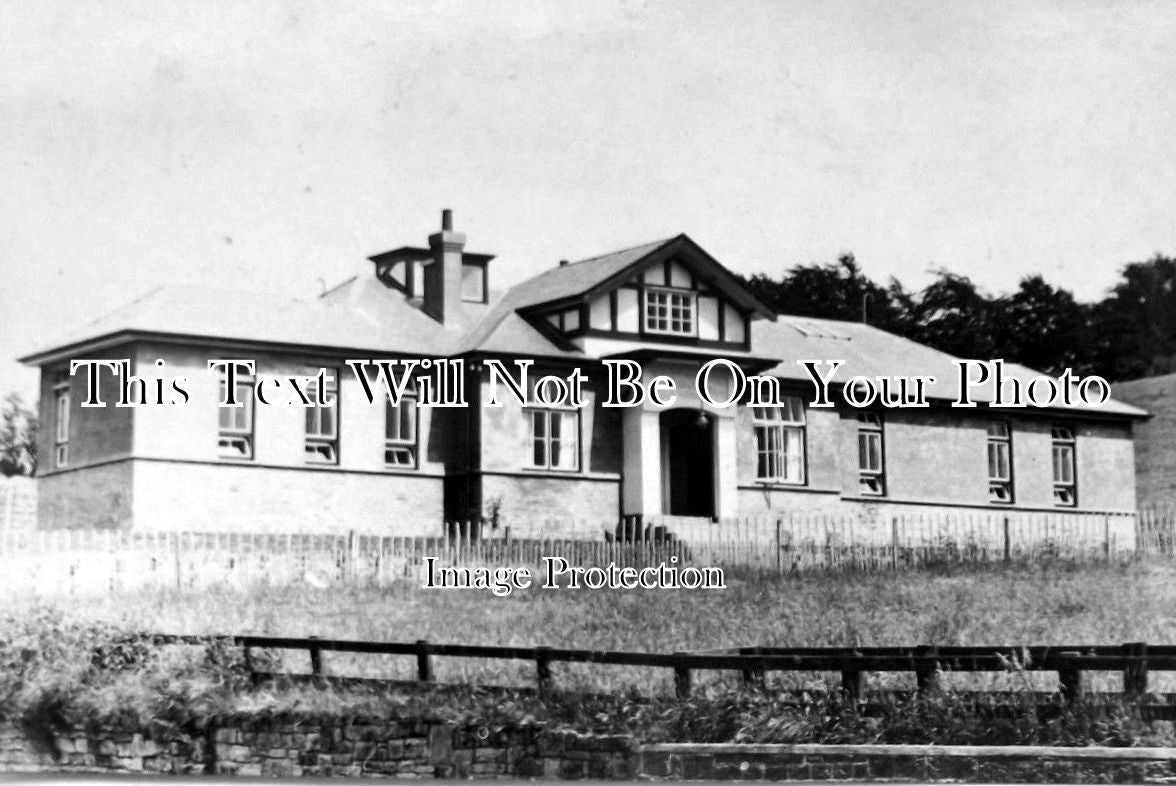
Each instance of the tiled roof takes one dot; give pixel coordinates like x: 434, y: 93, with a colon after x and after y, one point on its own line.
x: 364, y: 314
x: 357, y: 315
x: 871, y: 352
x: 503, y: 330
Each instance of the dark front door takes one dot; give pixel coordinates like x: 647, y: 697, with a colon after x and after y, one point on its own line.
x: 688, y: 469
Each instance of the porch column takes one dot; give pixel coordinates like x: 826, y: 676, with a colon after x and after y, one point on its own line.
x: 726, y: 469
x: 641, y: 489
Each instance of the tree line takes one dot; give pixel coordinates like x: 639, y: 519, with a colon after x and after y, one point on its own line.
x: 1130, y: 333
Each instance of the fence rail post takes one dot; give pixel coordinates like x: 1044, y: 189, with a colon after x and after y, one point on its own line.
x: 682, y: 680
x: 316, y: 658
x: 851, y: 684
x: 1135, y: 672
x: 424, y: 661
x: 1070, y: 680
x: 543, y: 671
x: 752, y: 675
x: 926, y: 669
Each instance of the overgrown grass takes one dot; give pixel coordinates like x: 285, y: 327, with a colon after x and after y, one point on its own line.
x: 1015, y: 605
x: 55, y: 674
x: 979, y: 605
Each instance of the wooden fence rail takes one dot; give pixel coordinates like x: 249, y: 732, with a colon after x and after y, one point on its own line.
x: 1133, y: 659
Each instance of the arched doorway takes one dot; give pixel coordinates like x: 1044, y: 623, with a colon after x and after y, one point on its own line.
x: 688, y: 463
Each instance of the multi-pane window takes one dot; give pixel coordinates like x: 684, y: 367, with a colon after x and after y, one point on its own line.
x: 779, y: 441
x: 555, y: 438
x: 322, y: 423
x: 1065, y: 480
x: 235, y: 424
x: 871, y: 472
x: 61, y: 400
x: 1000, y: 462
x: 669, y: 311
x: 400, y: 433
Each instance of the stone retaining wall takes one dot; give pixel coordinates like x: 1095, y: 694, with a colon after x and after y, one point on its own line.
x: 372, y: 747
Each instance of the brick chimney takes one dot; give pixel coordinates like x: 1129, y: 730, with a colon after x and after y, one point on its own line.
x: 443, y: 274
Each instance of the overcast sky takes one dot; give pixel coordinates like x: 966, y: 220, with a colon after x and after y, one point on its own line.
x: 267, y: 145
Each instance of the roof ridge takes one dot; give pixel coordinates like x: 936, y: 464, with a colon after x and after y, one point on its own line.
x: 614, y: 252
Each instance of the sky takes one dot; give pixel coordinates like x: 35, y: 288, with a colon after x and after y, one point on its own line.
x: 273, y: 146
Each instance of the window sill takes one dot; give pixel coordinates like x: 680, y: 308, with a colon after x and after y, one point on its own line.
x: 551, y: 471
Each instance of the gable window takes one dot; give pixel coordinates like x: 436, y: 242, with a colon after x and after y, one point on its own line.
x: 400, y: 433
x: 61, y: 400
x: 779, y: 441
x: 1065, y: 479
x: 322, y: 423
x: 235, y: 432
x: 669, y: 311
x: 555, y: 438
x: 871, y: 473
x: 1000, y: 462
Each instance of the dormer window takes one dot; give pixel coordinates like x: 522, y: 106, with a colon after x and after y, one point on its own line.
x: 473, y: 283
x: 669, y: 311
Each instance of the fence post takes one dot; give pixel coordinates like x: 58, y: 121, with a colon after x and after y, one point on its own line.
x: 316, y: 658
x: 543, y: 671
x: 180, y: 568
x: 1070, y: 679
x: 1008, y: 545
x: 1107, y: 537
x: 1135, y: 673
x: 894, y: 542
x: 254, y: 677
x: 926, y: 669
x: 752, y: 675
x: 681, y: 680
x: 779, y: 556
x: 424, y: 662
x: 851, y: 684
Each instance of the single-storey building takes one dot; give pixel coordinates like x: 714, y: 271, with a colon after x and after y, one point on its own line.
x: 668, y: 305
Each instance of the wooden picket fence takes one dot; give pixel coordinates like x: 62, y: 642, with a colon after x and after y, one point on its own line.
x: 90, y: 561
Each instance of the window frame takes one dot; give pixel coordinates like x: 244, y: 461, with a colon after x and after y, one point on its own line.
x: 243, y: 436
x: 63, y: 414
x: 996, y: 483
x: 1064, y: 437
x: 322, y: 448
x: 691, y: 304
x: 764, y: 426
x: 871, y: 482
x: 400, y: 443
x: 547, y: 413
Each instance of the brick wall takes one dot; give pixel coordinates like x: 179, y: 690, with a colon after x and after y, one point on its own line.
x: 209, y: 497
x: 95, y: 497
x: 940, y: 458
x: 96, y: 434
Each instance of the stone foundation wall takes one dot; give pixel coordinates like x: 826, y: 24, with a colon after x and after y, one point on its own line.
x: 372, y: 747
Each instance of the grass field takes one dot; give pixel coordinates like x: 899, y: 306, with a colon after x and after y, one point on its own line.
x: 982, y: 606
x: 1003, y: 606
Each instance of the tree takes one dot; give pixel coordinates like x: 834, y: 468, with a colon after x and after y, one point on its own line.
x: 953, y: 316
x: 18, y: 438
x: 1043, y: 327
x: 1134, y: 328
x: 833, y: 291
